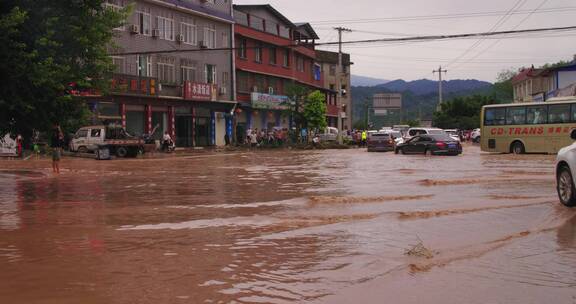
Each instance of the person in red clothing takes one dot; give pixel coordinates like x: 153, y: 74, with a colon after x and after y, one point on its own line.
x: 19, y: 144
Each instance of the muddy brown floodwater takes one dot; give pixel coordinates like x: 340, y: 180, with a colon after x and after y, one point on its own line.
x: 287, y: 227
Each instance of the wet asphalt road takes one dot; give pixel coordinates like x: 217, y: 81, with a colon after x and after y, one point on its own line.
x: 287, y: 227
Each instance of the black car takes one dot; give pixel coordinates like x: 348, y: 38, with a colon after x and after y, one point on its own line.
x: 430, y: 144
x: 380, y: 142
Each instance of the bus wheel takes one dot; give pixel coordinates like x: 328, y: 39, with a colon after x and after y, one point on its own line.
x: 565, y: 187
x: 121, y: 152
x: 517, y: 148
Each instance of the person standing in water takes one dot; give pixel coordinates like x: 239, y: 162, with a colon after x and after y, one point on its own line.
x: 56, y: 143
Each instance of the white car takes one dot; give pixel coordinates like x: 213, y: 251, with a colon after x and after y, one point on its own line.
x: 422, y: 131
x: 8, y: 146
x: 453, y: 133
x: 397, y: 135
x: 475, y: 135
x: 565, y: 170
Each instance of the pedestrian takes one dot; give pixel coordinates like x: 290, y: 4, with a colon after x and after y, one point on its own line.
x: 254, y: 139
x: 364, y: 138
x: 56, y: 144
x: 19, y: 145
x: 304, y: 134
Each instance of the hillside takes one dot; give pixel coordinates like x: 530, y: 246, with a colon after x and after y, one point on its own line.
x: 367, y: 81
x: 419, y: 97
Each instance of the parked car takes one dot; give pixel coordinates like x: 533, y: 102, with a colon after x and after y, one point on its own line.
x: 380, y: 142
x: 429, y: 145
x: 329, y: 134
x: 475, y: 135
x: 395, y: 134
x: 423, y: 131
x: 565, y: 171
x: 453, y: 133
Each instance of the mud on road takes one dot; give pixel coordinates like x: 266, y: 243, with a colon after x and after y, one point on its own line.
x: 287, y: 227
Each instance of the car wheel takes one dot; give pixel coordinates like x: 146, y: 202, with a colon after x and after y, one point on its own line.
x: 82, y: 150
x: 518, y: 148
x: 402, y: 151
x: 121, y: 152
x: 565, y: 187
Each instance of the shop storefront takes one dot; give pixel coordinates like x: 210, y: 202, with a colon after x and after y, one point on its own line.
x: 267, y: 112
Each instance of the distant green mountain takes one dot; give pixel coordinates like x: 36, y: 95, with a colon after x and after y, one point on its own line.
x: 419, y: 97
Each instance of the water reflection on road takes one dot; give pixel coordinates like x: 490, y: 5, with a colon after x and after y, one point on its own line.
x: 286, y: 227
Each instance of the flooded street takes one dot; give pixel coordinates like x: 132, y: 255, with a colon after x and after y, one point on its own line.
x: 287, y: 227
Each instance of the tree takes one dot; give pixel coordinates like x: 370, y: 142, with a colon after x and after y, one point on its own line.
x: 461, y: 113
x: 45, y: 47
x: 297, y: 94
x: 315, y: 111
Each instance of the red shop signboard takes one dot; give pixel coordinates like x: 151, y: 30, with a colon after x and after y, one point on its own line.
x: 199, y: 91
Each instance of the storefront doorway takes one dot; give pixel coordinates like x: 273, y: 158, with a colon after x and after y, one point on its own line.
x: 184, y: 131
x: 202, y: 131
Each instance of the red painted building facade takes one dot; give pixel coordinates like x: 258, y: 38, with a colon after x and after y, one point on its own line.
x: 272, y: 54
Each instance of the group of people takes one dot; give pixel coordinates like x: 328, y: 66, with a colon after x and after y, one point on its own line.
x: 360, y: 137
x: 257, y: 138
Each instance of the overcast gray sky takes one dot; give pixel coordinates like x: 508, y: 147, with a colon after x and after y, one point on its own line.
x: 464, y: 59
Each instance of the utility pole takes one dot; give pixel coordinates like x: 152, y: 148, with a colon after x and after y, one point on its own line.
x: 339, y: 81
x: 439, y: 71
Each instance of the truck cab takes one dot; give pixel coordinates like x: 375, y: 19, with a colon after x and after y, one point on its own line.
x: 87, y: 139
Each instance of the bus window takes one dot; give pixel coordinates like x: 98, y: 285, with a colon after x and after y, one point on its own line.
x: 536, y: 115
x: 574, y: 112
x: 495, y: 117
x: 516, y: 116
x: 559, y: 113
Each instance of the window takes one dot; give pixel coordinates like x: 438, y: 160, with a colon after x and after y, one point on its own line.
x: 95, y: 133
x: 166, y: 70
x: 144, y: 66
x: 82, y: 133
x: 259, y: 83
x: 516, y: 116
x: 272, y: 55
x: 495, y: 117
x: 332, y: 87
x: 559, y: 113
x: 536, y: 115
x: 574, y: 112
x: 258, y: 53
x: 332, y: 70
x: 165, y: 28
x: 225, y: 78
x: 225, y: 42
x: 210, y: 37
x: 243, y: 82
x: 188, y: 30
x: 300, y: 63
x: 210, y: 73
x: 118, y: 64
x: 344, y: 69
x: 144, y: 23
x: 286, y: 61
x: 242, y: 48
x: 188, y: 70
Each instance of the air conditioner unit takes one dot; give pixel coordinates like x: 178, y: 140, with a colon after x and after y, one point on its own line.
x: 180, y: 38
x: 271, y: 90
x: 222, y: 91
x: 134, y: 29
x: 202, y: 44
x: 155, y: 33
x: 344, y: 92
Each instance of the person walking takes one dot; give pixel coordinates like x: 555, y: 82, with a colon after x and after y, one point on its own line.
x: 19, y: 145
x: 56, y: 143
x: 364, y: 138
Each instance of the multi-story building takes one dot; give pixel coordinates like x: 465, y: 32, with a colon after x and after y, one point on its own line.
x: 530, y: 85
x: 329, y: 66
x: 272, y: 54
x: 387, y: 110
x: 173, y: 71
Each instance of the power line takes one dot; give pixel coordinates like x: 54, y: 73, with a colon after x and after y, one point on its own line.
x: 381, y: 40
x: 444, y: 16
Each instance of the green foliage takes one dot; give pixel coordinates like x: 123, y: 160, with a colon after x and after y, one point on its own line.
x: 412, y: 122
x: 315, y: 111
x: 45, y: 46
x: 461, y: 113
x: 298, y: 95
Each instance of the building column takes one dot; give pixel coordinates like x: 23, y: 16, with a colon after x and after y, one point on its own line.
x: 123, y: 115
x: 171, y: 122
x: 148, y: 126
x: 193, y: 126
x: 212, y: 128
x: 249, y: 119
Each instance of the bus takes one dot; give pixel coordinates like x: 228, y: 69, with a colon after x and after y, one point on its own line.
x: 520, y: 128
